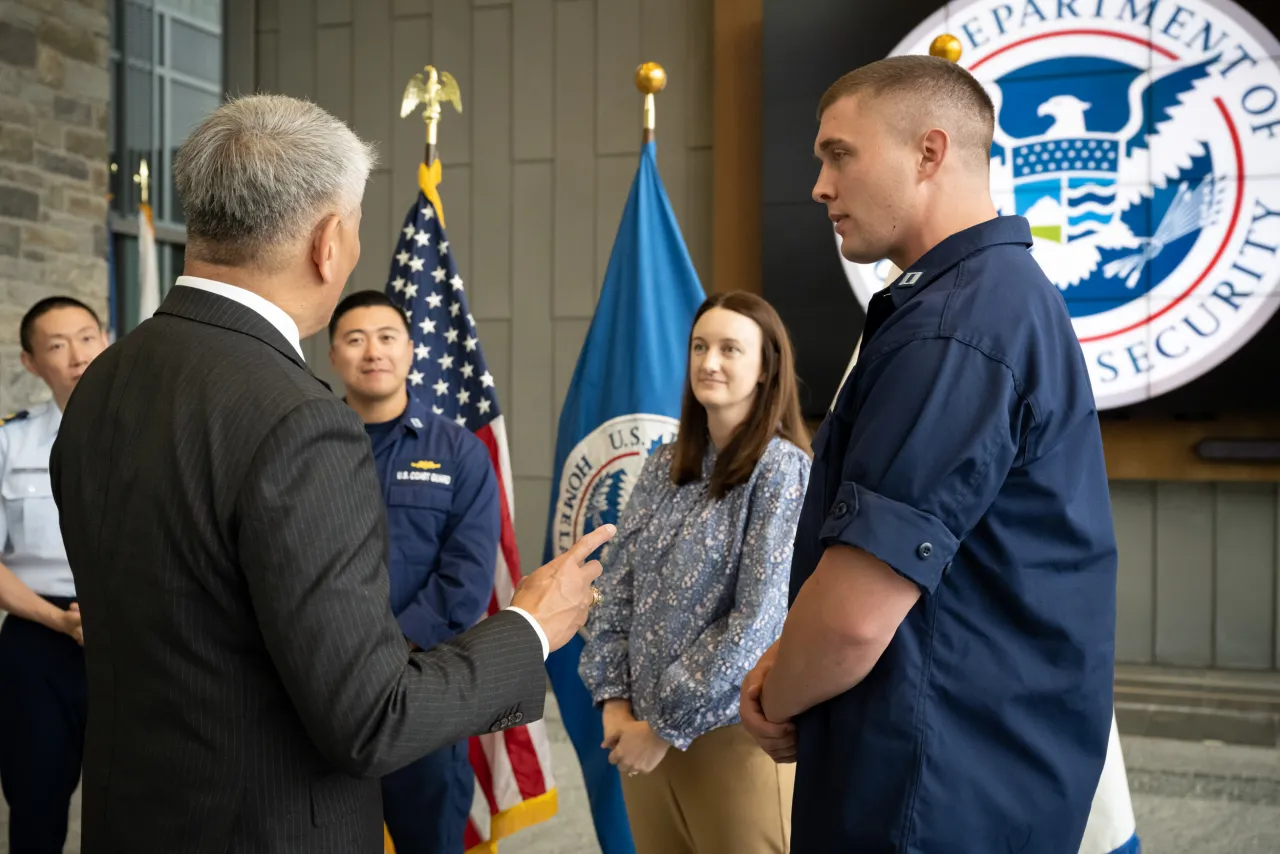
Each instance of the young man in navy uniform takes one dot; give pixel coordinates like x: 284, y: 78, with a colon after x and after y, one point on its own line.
x: 444, y: 525
x: 944, y: 677
x: 43, y: 688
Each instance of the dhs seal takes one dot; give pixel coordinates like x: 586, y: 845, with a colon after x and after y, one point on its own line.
x: 601, y: 471
x: 1141, y: 140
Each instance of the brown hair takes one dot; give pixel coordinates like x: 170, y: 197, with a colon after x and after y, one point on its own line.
x: 920, y: 85
x: 775, y: 413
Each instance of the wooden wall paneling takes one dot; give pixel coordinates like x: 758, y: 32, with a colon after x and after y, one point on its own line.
x: 1244, y: 575
x: 1184, y: 574
x: 491, y: 177
x: 532, y: 432
x: 736, y: 113
x: 533, y: 48
x: 574, y: 284
x: 1133, y: 509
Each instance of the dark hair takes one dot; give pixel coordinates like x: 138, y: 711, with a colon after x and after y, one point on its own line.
x: 363, y: 299
x: 925, y: 83
x: 42, y: 308
x: 775, y: 413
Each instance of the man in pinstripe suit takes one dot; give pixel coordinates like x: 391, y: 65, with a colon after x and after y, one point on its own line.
x: 248, y: 684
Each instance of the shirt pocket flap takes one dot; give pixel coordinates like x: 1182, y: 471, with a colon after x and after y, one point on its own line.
x: 427, y: 495
x: 26, y: 483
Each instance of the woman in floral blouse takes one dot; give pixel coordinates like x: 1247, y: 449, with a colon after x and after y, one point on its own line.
x: 695, y: 590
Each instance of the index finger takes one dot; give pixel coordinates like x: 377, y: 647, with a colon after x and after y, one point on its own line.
x: 583, y: 548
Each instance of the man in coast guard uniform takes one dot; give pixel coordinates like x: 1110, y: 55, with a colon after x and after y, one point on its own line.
x: 43, y: 688
x: 944, y: 678
x: 444, y: 526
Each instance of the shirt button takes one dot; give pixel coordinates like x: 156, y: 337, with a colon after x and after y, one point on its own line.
x: 925, y: 550
x: 840, y: 509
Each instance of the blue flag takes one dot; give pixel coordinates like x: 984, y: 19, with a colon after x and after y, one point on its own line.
x: 623, y: 402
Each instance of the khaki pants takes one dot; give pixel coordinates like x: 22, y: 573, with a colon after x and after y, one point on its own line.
x: 723, y: 795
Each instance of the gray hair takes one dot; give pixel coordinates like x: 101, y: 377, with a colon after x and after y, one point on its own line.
x: 260, y: 172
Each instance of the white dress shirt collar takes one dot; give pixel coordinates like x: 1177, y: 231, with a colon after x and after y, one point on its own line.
x: 272, y: 313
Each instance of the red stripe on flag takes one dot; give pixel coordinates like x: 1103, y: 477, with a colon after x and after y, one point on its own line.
x: 524, y: 763
x: 471, y: 837
x: 509, y: 550
x: 484, y: 775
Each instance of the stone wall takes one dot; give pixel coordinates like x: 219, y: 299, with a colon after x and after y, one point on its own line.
x: 54, y: 98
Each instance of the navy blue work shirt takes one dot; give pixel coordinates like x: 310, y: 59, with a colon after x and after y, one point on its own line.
x: 965, y: 452
x: 443, y: 521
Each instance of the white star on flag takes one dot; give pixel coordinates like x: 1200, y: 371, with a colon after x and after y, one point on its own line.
x: 461, y: 421
x: 486, y: 379
x: 429, y: 213
x: 483, y: 406
x: 408, y: 231
x: 456, y: 281
x: 454, y: 308
x: 438, y: 274
x: 471, y: 343
x: 446, y: 362
x: 422, y: 351
x: 471, y: 320
x: 423, y: 238
x: 398, y: 283
x: 468, y: 369
x: 451, y: 335
x: 464, y: 397
x: 444, y: 247
x: 441, y: 387
x: 437, y: 410
x: 403, y: 258
x: 434, y: 299
x: 427, y: 326
x: 416, y: 377
x: 410, y: 291
x: 416, y: 265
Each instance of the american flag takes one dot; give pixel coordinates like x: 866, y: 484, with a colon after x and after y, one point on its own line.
x: 514, y: 784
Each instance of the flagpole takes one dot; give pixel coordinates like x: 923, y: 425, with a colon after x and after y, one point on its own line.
x: 650, y: 80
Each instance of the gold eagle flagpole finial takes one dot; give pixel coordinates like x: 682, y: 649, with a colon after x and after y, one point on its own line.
x: 650, y: 79
x: 946, y: 46
x: 429, y: 89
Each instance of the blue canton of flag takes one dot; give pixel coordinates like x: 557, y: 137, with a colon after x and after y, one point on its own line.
x: 449, y: 372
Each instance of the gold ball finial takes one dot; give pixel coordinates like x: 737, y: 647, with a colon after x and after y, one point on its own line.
x: 650, y: 78
x: 946, y: 46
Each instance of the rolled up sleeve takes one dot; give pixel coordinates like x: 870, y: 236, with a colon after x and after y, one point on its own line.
x: 937, y: 431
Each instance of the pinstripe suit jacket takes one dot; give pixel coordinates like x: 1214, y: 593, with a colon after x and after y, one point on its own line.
x: 247, y: 680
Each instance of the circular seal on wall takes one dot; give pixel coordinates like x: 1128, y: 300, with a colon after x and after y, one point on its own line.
x: 601, y: 470
x: 1141, y: 140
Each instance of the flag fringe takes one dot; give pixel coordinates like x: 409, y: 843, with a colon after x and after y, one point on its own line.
x: 506, y: 823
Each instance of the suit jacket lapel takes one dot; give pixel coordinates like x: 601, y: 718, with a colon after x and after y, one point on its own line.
x: 205, y: 307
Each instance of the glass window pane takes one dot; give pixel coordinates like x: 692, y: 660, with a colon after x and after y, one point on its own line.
x: 138, y: 25
x: 208, y: 11
x: 195, y: 52
x: 187, y: 107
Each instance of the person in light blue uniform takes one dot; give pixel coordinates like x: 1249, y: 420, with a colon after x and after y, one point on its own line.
x: 444, y: 525
x: 43, y: 689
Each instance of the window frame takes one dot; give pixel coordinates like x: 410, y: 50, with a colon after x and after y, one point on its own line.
x: 122, y: 221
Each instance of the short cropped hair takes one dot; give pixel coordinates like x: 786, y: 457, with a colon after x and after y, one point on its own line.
x: 363, y: 299
x: 260, y: 171
x: 930, y: 86
x: 42, y: 308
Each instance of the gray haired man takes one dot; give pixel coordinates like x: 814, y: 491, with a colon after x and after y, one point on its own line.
x: 225, y: 528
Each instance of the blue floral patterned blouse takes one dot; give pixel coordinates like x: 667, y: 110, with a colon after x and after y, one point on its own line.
x: 695, y: 590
